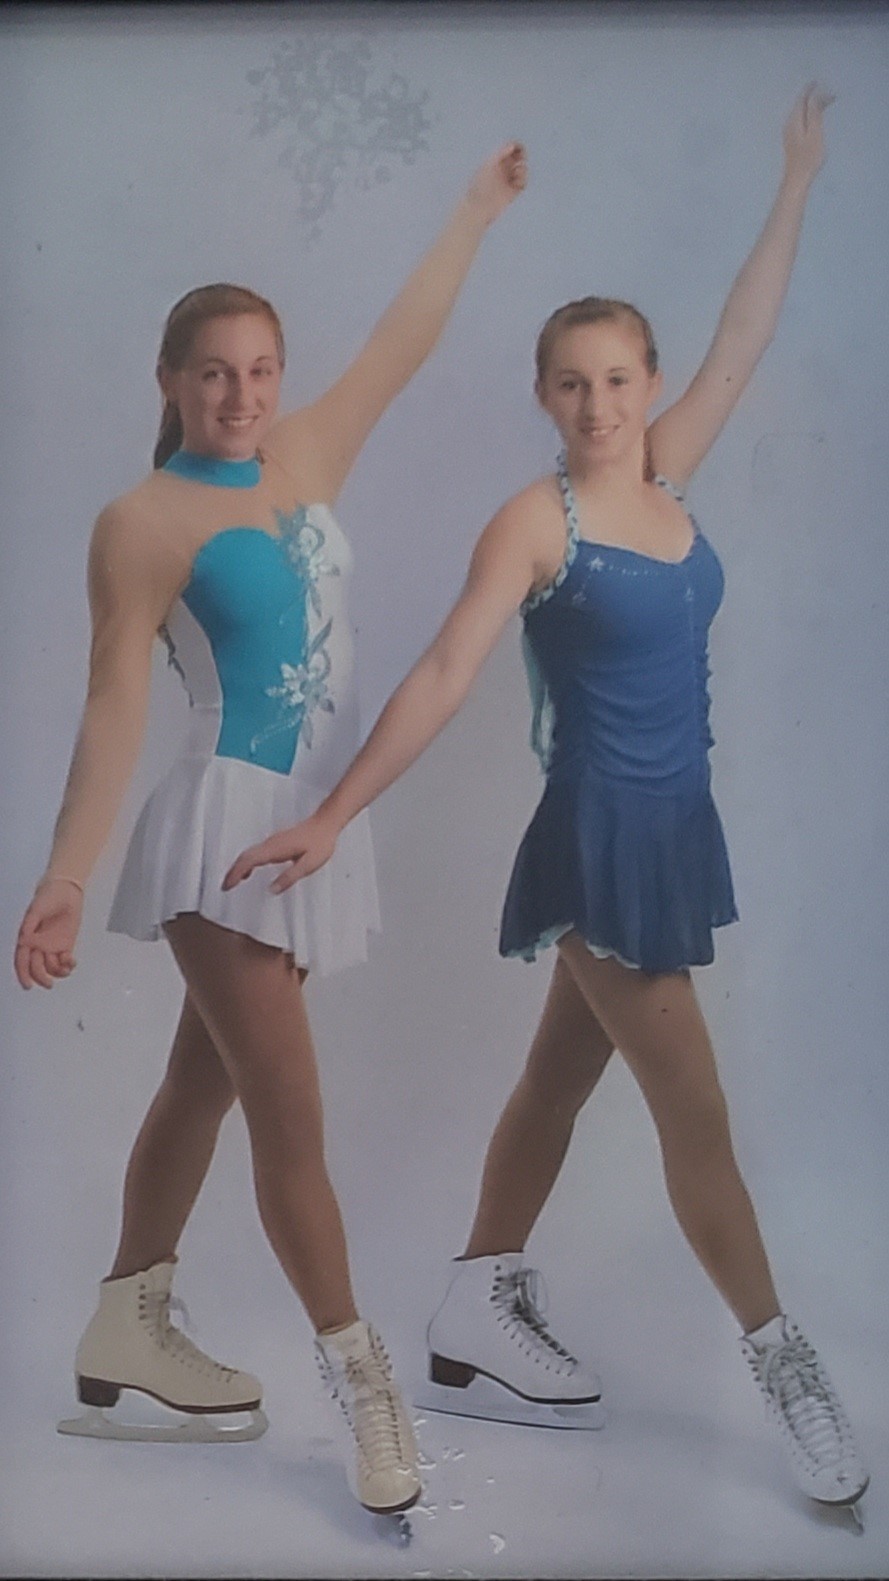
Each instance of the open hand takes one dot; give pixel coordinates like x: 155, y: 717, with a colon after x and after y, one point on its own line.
x: 44, y: 948
x: 804, y: 133
x: 500, y: 179
x: 304, y: 847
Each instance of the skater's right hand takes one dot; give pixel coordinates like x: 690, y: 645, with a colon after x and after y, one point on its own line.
x: 304, y: 847
x: 45, y: 946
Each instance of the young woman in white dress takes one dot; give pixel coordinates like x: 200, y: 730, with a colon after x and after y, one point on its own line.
x: 230, y: 552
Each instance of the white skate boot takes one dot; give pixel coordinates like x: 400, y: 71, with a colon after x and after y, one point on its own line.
x: 491, y: 1354
x: 803, y: 1404
x: 382, y: 1463
x: 130, y: 1344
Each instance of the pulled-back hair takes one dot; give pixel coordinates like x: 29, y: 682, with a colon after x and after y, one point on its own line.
x: 183, y: 322
x: 592, y: 310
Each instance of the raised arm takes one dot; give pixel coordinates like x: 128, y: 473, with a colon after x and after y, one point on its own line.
x: 680, y: 438
x: 132, y: 579
x: 333, y: 429
x: 504, y: 566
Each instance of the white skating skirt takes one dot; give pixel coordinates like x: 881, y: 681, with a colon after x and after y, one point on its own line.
x: 203, y: 814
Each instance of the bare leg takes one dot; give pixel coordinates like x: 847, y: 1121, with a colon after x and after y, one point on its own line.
x: 656, y: 1022
x: 173, y: 1150
x: 567, y: 1057
x: 250, y: 999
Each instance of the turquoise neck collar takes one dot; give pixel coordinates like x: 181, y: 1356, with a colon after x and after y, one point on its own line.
x: 214, y: 469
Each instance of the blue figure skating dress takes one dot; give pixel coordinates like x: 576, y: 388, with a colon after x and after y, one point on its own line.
x: 626, y: 846
x: 261, y: 638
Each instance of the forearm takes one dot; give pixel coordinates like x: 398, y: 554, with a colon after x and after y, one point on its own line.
x: 414, y: 321
x: 102, y: 764
x: 754, y: 302
x: 415, y: 713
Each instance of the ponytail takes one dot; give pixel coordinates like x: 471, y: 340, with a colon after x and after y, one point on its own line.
x: 169, y: 436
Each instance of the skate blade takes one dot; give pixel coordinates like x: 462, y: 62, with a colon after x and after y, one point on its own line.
x: 857, y: 1519
x: 396, y: 1528
x: 493, y: 1403
x: 170, y: 1427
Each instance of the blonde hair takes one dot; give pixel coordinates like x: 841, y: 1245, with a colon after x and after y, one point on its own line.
x: 592, y: 310
x: 183, y: 322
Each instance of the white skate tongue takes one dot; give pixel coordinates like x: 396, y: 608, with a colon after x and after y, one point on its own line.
x: 351, y: 1344
x: 774, y: 1332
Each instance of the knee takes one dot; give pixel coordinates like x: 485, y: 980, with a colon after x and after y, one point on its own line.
x: 207, y: 1092
x: 697, y: 1126
x: 284, y: 1117
x: 559, y: 1088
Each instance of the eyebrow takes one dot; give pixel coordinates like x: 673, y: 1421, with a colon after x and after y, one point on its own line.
x: 618, y: 368
x: 264, y: 356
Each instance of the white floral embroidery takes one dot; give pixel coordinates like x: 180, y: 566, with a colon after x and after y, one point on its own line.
x: 304, y: 688
x: 304, y: 544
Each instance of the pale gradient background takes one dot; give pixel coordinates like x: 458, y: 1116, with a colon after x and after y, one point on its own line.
x: 135, y: 165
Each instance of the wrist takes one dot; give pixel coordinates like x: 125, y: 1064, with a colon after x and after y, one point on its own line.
x: 60, y: 878
x: 334, y: 814
x: 795, y: 184
x: 475, y: 212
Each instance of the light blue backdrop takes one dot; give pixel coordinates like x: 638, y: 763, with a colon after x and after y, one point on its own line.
x: 148, y: 151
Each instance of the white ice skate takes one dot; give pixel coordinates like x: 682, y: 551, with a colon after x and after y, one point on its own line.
x: 382, y: 1462
x: 805, y: 1407
x: 130, y: 1344
x: 491, y: 1354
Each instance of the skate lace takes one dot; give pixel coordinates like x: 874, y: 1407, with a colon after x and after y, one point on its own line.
x: 794, y: 1378
x: 367, y: 1395
x: 157, y: 1309
x: 521, y: 1299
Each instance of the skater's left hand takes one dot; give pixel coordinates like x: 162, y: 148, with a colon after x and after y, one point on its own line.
x: 499, y: 180
x: 305, y: 847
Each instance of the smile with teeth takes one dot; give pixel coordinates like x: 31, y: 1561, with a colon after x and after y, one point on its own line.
x: 237, y: 422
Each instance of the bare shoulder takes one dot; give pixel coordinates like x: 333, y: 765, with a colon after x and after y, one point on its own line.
x: 535, y: 517
x: 134, y: 549
x: 534, y: 510
x: 296, y: 442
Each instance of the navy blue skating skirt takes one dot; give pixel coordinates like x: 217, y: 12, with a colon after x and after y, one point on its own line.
x: 638, y: 874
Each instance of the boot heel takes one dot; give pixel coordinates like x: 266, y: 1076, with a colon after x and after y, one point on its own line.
x: 94, y: 1391
x: 453, y: 1374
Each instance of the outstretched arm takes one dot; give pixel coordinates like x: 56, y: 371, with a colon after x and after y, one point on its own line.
x: 333, y: 429
x: 680, y: 438
x: 502, y: 570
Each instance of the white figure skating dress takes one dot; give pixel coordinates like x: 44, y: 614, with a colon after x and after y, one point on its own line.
x: 260, y: 635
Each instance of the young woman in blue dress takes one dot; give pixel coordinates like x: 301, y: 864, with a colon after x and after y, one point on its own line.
x: 624, y: 865
x: 230, y: 552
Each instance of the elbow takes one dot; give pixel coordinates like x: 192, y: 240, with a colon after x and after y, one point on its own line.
x: 452, y: 683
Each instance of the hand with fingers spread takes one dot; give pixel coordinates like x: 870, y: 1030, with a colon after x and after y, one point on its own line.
x: 804, y: 134
x: 304, y: 847
x: 44, y: 948
x: 500, y: 179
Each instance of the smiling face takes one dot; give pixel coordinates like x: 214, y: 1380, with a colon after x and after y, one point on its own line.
x: 228, y: 386
x: 597, y: 388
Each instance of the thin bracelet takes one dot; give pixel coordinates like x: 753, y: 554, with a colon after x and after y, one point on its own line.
x: 62, y: 878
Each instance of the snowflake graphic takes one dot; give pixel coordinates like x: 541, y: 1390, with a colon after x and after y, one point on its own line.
x: 337, y: 115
